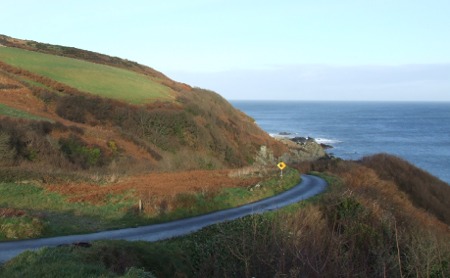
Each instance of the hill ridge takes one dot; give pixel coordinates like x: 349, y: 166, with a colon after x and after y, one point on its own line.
x: 90, y: 56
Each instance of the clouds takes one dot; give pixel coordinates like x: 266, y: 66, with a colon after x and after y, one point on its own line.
x: 320, y: 82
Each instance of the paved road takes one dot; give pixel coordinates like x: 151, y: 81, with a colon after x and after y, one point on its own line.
x: 310, y: 186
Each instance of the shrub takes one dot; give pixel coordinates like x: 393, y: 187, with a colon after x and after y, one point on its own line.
x: 79, y: 153
x: 6, y: 152
x: 72, y: 108
x: 8, y: 86
x: 45, y: 95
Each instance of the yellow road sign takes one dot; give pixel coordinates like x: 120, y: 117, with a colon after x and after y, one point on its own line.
x: 281, y: 165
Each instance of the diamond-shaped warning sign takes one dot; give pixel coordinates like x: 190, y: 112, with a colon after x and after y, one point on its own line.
x: 281, y: 165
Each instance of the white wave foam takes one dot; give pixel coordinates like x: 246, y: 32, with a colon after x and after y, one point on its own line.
x: 327, y: 141
x: 282, y: 135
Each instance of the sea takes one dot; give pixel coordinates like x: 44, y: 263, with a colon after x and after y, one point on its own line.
x: 418, y: 132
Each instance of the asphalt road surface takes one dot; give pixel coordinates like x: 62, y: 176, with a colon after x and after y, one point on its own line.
x: 310, y: 186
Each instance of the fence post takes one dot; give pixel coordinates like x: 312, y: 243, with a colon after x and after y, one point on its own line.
x: 140, y: 205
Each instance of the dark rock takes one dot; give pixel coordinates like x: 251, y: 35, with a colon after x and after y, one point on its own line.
x: 325, y: 146
x: 300, y: 140
x: 284, y: 133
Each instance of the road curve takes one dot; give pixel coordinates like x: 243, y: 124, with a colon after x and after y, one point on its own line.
x: 310, y: 186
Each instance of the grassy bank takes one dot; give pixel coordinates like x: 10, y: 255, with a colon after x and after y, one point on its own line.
x: 15, y: 113
x: 30, y: 211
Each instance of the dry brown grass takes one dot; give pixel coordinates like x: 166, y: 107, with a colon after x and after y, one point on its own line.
x: 10, y: 212
x: 154, y: 186
x: 425, y: 190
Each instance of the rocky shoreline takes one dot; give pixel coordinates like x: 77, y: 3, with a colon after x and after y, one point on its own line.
x: 304, y: 140
x: 301, y: 140
x: 299, y: 149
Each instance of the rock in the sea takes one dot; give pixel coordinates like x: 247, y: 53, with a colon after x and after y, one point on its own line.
x: 300, y: 140
x: 325, y: 146
x: 283, y: 133
x: 303, y: 140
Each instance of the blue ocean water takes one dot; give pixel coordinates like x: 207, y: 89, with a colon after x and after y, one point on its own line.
x: 417, y: 132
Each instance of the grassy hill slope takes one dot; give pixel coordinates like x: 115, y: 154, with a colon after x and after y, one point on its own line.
x: 92, y: 57
x: 102, y: 80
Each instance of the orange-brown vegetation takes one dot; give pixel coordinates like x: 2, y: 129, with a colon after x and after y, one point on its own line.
x: 20, y: 97
x: 385, y: 182
x: 424, y: 190
x: 10, y: 212
x: 153, y: 186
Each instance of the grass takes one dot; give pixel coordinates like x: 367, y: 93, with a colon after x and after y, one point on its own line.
x: 103, y: 259
x: 105, y: 81
x: 57, y: 216
x: 15, y: 113
x: 35, y: 84
x: 60, y: 216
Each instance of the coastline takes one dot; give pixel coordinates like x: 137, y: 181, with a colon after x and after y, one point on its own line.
x: 414, y: 131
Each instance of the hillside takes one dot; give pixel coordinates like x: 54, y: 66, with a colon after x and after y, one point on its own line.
x: 76, y: 111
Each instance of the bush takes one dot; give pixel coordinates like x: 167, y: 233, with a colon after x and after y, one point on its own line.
x: 79, y: 153
x: 72, y: 108
x: 45, y: 95
x: 6, y: 152
x: 28, y: 140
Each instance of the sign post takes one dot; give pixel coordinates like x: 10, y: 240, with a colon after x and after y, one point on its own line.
x: 281, y: 166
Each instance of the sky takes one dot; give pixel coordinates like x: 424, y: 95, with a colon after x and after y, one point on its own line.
x: 371, y: 50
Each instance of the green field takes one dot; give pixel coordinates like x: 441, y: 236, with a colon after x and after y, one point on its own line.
x: 14, y: 113
x: 105, y: 81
